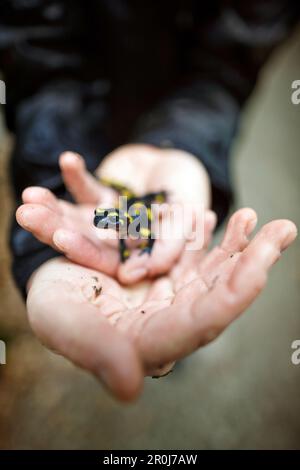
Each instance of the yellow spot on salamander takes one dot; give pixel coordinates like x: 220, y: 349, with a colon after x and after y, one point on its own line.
x: 160, y: 198
x: 128, y: 217
x: 145, y: 232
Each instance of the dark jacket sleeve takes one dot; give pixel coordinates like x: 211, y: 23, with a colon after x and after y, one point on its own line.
x: 222, y: 56
x: 57, y: 94
x: 53, y: 103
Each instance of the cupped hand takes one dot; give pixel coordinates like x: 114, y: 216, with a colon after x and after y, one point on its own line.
x: 69, y: 227
x: 122, y: 334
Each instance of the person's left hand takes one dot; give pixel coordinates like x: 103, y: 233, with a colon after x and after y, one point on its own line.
x: 69, y: 227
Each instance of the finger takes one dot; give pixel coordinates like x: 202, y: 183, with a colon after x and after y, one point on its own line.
x: 228, y: 300
x: 186, y: 270
x: 40, y: 221
x: 78, y: 331
x: 263, y: 251
x: 50, y: 228
x: 79, y: 249
x: 240, y: 226
x: 175, y: 228
x: 165, y: 254
x: 183, y: 327
x: 138, y: 266
x: 84, y: 188
x: 135, y: 269
x: 38, y: 195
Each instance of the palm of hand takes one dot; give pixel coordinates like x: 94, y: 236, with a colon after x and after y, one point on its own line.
x: 121, y: 334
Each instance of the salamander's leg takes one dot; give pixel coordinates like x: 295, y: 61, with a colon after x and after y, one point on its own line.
x: 161, y: 196
x: 124, y: 252
x: 147, y: 245
x: 158, y: 197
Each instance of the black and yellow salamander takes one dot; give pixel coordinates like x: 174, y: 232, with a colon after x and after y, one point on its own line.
x: 136, y: 214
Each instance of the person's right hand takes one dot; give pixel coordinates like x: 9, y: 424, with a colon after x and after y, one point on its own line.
x: 122, y: 334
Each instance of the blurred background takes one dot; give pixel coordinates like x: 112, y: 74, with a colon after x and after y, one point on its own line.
x: 242, y: 391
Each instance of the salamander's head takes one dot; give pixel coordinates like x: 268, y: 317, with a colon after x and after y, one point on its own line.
x: 107, y: 218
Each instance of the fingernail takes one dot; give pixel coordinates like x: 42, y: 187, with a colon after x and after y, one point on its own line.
x: 251, y: 226
x: 288, y: 240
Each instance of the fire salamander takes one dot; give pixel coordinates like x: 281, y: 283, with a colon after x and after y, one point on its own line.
x: 135, y: 217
